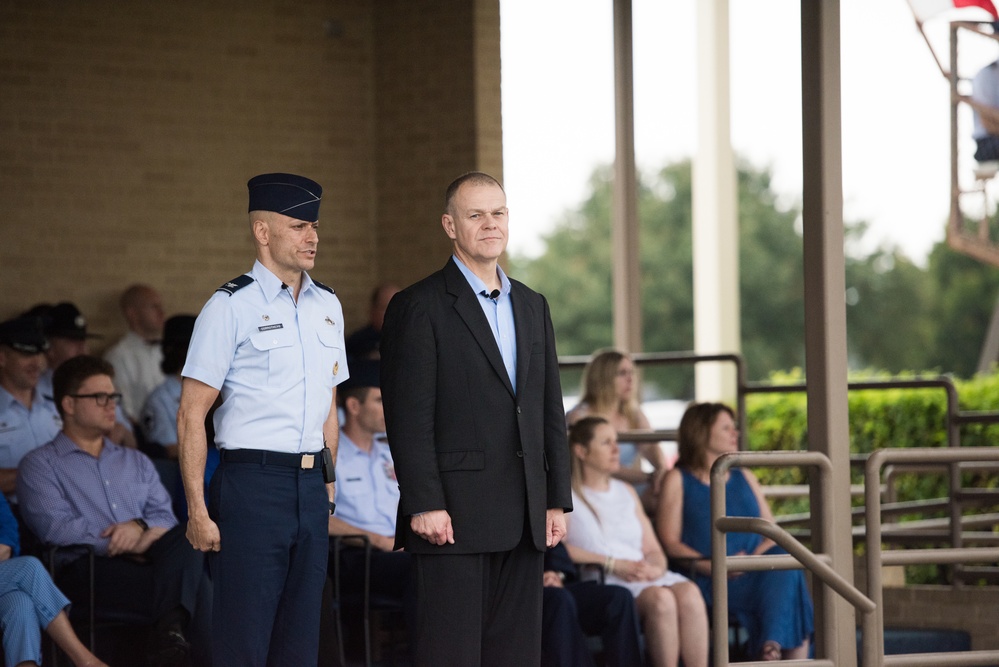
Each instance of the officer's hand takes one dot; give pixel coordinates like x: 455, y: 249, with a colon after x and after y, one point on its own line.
x: 433, y: 526
x: 554, y: 526
x: 203, y: 533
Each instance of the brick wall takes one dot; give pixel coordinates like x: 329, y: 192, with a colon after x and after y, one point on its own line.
x: 437, y: 89
x: 972, y: 609
x: 129, y: 131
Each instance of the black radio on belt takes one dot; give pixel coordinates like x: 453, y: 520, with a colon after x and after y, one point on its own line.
x: 329, y: 470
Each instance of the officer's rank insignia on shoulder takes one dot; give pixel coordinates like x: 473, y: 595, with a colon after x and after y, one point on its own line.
x: 235, y: 284
x: 325, y: 287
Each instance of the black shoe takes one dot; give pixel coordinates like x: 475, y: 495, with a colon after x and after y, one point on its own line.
x: 171, y: 650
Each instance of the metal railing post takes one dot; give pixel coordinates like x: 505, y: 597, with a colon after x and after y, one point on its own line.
x: 818, y: 564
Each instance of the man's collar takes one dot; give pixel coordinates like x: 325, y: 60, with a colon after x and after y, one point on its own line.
x: 478, y: 286
x: 354, y: 448
x: 64, y: 445
x: 272, y: 285
x: 6, y: 398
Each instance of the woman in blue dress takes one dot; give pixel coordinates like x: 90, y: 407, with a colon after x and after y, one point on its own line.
x: 30, y: 601
x: 774, y: 606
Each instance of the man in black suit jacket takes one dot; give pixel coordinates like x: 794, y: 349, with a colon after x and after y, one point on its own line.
x: 473, y: 408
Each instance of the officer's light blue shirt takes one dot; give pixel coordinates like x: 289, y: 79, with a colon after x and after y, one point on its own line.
x: 499, y: 314
x: 22, y: 430
x: 274, y: 361
x: 159, y: 414
x: 367, y: 491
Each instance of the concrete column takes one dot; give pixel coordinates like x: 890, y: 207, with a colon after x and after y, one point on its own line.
x: 625, y: 258
x: 825, y: 307
x: 715, y: 222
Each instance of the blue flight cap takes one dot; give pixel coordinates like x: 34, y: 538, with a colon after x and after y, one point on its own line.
x: 295, y: 196
x: 177, y: 331
x: 24, y: 334
x: 363, y: 373
x: 64, y: 320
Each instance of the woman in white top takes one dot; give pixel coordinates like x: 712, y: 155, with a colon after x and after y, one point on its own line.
x: 608, y: 527
x: 610, y: 390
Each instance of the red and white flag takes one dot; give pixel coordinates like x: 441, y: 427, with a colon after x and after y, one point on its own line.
x: 927, y: 9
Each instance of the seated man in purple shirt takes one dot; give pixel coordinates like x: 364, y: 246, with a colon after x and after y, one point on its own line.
x: 81, y: 488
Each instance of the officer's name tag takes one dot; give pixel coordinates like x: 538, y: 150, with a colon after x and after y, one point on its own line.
x: 270, y: 327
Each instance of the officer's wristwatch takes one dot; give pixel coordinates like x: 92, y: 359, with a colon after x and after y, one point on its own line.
x: 332, y: 507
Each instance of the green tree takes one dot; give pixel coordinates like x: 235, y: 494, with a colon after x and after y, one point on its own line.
x: 963, y: 294
x: 771, y: 278
x: 888, y: 310
x: 574, y: 271
x: 900, y: 317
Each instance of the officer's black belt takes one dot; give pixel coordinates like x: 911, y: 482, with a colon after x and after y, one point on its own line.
x: 306, y: 461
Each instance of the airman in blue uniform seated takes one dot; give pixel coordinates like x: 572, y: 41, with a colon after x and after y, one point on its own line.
x: 367, y: 493
x: 27, y: 420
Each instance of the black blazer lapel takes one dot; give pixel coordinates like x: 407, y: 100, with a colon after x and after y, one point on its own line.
x: 523, y: 322
x: 467, y: 306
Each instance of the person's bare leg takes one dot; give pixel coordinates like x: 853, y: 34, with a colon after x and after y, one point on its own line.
x: 693, y: 619
x: 771, y: 651
x: 64, y: 636
x: 797, y: 653
x: 657, y: 609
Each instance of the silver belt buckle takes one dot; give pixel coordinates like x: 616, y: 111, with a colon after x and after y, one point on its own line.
x: 308, y: 461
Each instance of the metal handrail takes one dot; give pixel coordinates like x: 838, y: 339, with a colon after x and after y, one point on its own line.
x: 940, y: 382
x: 954, y: 418
x: 871, y: 606
x: 680, y: 359
x: 873, y: 651
x: 798, y: 556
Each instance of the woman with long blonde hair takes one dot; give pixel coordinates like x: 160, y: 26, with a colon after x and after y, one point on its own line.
x: 609, y: 528
x: 610, y: 390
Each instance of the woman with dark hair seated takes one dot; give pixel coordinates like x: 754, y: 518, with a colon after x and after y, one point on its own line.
x: 773, y: 605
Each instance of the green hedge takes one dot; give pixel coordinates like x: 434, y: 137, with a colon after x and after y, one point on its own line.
x: 878, y: 419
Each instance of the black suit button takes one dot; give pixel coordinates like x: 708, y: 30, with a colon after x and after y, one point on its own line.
x: 518, y: 409
x: 520, y: 454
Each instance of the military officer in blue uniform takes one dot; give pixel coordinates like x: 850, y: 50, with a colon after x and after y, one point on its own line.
x: 27, y: 420
x: 271, y: 343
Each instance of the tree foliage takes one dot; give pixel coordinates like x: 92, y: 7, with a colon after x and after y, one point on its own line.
x: 899, y: 316
x: 574, y: 271
x: 887, y: 316
x: 962, y: 295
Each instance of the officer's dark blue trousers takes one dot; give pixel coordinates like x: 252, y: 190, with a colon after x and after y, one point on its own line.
x: 268, y: 575
x: 596, y: 609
